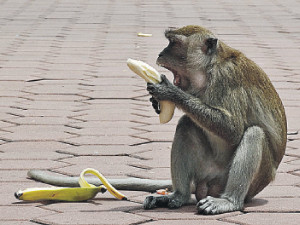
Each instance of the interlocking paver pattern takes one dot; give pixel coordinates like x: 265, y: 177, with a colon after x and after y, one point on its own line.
x: 68, y: 101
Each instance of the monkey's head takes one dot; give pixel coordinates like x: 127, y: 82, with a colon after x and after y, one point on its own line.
x: 190, y: 51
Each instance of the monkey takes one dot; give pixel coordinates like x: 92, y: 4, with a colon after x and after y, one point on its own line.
x: 232, y: 136
x: 229, y: 142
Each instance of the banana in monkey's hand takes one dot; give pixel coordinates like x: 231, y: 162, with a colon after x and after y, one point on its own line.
x: 151, y: 75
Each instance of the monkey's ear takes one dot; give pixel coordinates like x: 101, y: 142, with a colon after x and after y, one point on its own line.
x: 210, y: 46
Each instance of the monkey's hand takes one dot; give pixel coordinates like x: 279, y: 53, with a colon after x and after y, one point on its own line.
x: 164, y: 90
x: 155, y: 105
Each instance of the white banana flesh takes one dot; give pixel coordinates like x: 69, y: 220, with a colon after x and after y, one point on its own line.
x: 151, y: 75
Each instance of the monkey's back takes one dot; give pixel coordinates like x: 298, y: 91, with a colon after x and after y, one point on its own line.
x: 265, y: 106
x: 246, y: 92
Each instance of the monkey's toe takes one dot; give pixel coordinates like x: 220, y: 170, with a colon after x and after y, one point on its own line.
x: 149, y: 202
x: 152, y: 202
x: 174, y: 204
x: 212, y: 205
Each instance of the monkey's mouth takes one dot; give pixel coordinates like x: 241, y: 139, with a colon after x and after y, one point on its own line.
x: 177, y: 77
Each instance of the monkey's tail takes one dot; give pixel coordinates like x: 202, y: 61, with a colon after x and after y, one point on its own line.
x: 130, y: 184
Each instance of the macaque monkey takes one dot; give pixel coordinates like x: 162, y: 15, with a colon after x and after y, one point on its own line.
x: 233, y: 135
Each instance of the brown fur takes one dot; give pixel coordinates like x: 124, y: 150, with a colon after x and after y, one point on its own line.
x: 233, y: 136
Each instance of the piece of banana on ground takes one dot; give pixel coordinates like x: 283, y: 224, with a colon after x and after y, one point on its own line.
x: 151, y: 75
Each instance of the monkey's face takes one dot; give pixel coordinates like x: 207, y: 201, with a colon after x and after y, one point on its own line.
x: 173, y: 58
x: 187, y: 57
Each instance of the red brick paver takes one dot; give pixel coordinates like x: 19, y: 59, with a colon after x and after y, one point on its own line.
x: 68, y: 101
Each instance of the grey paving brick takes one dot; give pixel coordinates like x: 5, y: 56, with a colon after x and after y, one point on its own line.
x: 68, y: 101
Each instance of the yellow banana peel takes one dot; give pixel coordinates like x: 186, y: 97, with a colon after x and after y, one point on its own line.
x: 151, y: 75
x: 85, y: 192
x: 104, y: 181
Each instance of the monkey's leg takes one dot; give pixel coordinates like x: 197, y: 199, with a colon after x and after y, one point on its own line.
x: 244, y: 167
x: 185, y: 158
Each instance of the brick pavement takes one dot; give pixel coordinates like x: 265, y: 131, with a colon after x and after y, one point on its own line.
x: 68, y: 101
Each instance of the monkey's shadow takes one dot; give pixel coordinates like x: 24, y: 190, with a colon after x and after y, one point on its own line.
x: 256, y: 202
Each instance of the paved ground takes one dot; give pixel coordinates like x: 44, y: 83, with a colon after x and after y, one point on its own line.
x: 68, y: 101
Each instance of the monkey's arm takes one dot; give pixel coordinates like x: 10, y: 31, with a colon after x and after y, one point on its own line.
x: 131, y: 184
x: 216, y: 120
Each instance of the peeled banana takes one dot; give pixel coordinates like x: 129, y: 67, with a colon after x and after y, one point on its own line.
x: 151, y: 75
x: 85, y: 192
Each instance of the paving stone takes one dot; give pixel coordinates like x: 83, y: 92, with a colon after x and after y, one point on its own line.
x: 185, y: 212
x: 294, y: 144
x: 8, y: 188
x: 103, y: 124
x: 107, y: 115
x: 102, y: 202
x: 26, y: 164
x: 103, y: 140
x: 51, y: 105
x: 92, y: 217
x: 13, y: 176
x: 279, y: 191
x: 33, y: 155
x: 108, y: 131
x: 40, y: 120
x: 104, y: 150
x: 273, y: 205
x: 283, y: 179
x: 157, y: 136
x: 17, y: 74
x: 156, y: 158
x: 107, y: 165
x: 263, y: 219
x: 45, y: 113
x: 286, y: 167
x: 188, y: 221
x: 69, y: 101
x: 58, y: 97
x: 37, y: 133
x: 155, y: 173
x: 13, y: 212
x: 11, y: 222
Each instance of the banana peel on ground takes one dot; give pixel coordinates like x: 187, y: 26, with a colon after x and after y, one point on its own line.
x: 85, y: 192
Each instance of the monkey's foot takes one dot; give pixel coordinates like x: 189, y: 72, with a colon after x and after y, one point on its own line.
x: 152, y: 202
x: 210, y: 205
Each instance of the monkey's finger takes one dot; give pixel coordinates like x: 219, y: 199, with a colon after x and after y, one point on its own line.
x: 164, y: 79
x: 155, y: 105
x: 150, y: 202
x: 157, y: 110
x: 202, y: 202
x: 204, y: 209
x: 152, y: 100
x: 150, y: 88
